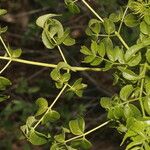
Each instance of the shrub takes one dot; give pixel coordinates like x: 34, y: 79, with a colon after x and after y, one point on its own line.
x: 128, y: 110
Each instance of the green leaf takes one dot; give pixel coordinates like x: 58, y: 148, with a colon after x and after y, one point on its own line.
x: 109, y: 26
x: 128, y: 74
x: 131, y: 111
x: 109, y: 49
x: 132, y: 144
x: 96, y: 61
x: 130, y: 20
x: 43, y: 106
x: 128, y: 134
x: 73, y: 8
x: 69, y: 41
x: 24, y: 129
x: 135, y: 60
x: 106, y: 102
x: 84, y: 50
x: 118, y: 112
x: 126, y: 92
x: 120, y: 55
x: 94, y: 47
x: 55, y: 146
x: 117, y: 16
x: 147, y: 19
x: 47, y: 41
x: 135, y: 48
x: 148, y: 55
x: 147, y: 85
x: 54, y: 29
x: 51, y: 116
x: 111, y: 54
x: 42, y: 19
x: 66, y: 130
x: 116, y: 78
x: 36, y: 138
x: 78, y: 87
x: 3, y: 30
x: 77, y: 126
x: 30, y: 121
x: 55, y: 74
x: 101, y: 49
x: 15, y: 53
x: 4, y: 82
x: 147, y: 104
x: 3, y: 12
x: 66, y: 77
x: 147, y: 146
x: 144, y: 28
x: 89, y: 59
x: 94, y: 27
x: 114, y: 17
x: 53, y: 33
x: 122, y: 128
x: 110, y: 114
x: 81, y: 143
x: 60, y: 138
x: 108, y: 66
x: 70, y: 148
x: 108, y: 43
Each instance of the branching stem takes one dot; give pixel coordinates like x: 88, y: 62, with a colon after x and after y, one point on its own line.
x: 124, y: 14
x: 141, y: 89
x: 121, y: 39
x: 88, y: 132
x: 61, y: 53
x: 93, y: 11
x: 50, y: 107
x: 5, y: 67
x: 23, y: 61
x: 2, y: 41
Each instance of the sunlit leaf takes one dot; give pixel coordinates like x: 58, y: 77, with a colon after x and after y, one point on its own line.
x: 51, y: 116
x: 77, y: 126
x: 42, y: 106
x: 4, y: 82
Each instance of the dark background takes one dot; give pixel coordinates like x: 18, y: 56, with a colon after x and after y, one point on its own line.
x: 31, y: 82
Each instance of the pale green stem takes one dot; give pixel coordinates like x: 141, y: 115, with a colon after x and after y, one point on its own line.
x: 124, y: 14
x: 57, y: 97
x: 88, y: 132
x: 141, y: 90
x: 129, y: 101
x: 61, y: 53
x: 93, y: 11
x: 2, y: 70
x: 5, y: 46
x: 47, y: 64
x: 50, y: 107
x: 106, y: 35
x: 121, y: 39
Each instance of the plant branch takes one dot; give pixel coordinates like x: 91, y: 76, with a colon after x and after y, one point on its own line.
x: 88, y: 132
x: 131, y: 100
x: 124, y: 14
x: 93, y: 11
x: 141, y: 89
x: 23, y: 61
x: 3, y: 69
x: 61, y: 53
x: 121, y: 39
x: 5, y: 46
x: 50, y: 107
